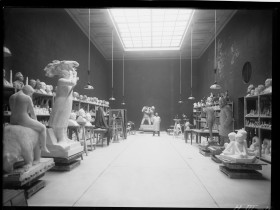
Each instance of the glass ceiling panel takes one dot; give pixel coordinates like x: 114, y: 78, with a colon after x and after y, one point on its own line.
x: 151, y: 29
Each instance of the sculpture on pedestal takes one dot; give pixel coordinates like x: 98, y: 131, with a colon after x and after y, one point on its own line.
x: 66, y: 71
x: 147, y: 114
x: 268, y: 86
x: 25, y: 137
x: 210, y: 117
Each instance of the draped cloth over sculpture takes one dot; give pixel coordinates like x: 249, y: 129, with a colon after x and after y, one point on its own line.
x: 100, y: 122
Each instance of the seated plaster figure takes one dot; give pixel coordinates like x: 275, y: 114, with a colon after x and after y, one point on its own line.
x: 18, y: 83
x: 146, y: 115
x: 268, y: 86
x: 5, y: 82
x: 66, y: 71
x: 210, y: 118
x: 230, y: 147
x: 32, y: 83
x: 255, y: 146
x: 29, y: 135
x: 81, y: 97
x: 72, y: 120
x: 249, y: 90
x: 38, y: 86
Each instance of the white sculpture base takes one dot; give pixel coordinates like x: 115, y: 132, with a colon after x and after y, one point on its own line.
x: 63, y: 149
x: 146, y: 128
x: 237, y: 159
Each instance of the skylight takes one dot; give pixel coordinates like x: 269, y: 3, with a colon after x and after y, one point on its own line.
x: 151, y: 29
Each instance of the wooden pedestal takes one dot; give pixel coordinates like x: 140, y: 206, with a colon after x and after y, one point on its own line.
x: 240, y: 174
x: 67, y: 164
x: 215, y: 159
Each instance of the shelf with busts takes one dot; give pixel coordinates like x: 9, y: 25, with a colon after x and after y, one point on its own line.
x: 259, y: 123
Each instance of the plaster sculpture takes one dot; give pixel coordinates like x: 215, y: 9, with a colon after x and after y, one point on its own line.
x: 25, y: 136
x: 43, y: 88
x: 230, y: 147
x: 72, y: 120
x: 210, y: 117
x: 49, y: 89
x: 268, y: 86
x: 32, y: 83
x: 250, y: 90
x: 18, y: 83
x: 57, y: 140
x: 266, y: 147
x: 255, y: 146
x: 5, y: 82
x: 239, y: 152
x: 76, y: 95
x: 88, y: 119
x: 146, y: 115
x: 81, y: 117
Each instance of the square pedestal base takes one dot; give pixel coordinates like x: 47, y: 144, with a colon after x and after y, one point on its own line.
x: 240, y: 174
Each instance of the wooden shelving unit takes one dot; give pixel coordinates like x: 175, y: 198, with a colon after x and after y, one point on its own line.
x: 260, y: 122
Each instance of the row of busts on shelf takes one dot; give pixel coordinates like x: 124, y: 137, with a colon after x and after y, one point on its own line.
x: 80, y: 118
x: 41, y: 111
x: 257, y: 124
x: 211, y: 100
x: 265, y: 147
x: 94, y: 100
x: 37, y: 85
x: 260, y: 89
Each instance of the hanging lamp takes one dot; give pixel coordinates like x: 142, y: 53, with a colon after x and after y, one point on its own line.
x: 191, y: 97
x: 88, y: 86
x: 6, y: 52
x: 180, y: 100
x: 123, y: 103
x: 215, y: 86
x: 112, y: 98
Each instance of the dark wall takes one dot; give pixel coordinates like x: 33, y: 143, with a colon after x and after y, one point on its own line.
x: 35, y: 37
x: 153, y: 83
x: 246, y: 37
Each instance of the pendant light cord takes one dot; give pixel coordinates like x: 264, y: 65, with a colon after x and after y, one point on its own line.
x: 112, y: 60
x: 180, y: 74
x: 191, y: 59
x: 215, y: 49
x: 123, y: 75
x: 88, y: 42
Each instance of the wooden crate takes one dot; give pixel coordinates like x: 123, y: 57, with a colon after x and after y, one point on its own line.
x: 241, y: 174
x: 14, y: 198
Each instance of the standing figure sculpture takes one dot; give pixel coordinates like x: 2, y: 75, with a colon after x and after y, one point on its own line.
x: 66, y: 71
x: 210, y: 117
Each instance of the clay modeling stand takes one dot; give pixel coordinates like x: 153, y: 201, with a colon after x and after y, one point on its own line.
x: 28, y: 180
x: 67, y: 164
x: 240, y: 170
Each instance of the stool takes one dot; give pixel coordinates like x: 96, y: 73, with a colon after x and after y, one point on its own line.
x: 71, y: 129
x: 90, y: 129
x: 99, y: 132
x: 82, y: 126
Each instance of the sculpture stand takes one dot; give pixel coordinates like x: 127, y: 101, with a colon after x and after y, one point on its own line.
x: 64, y: 154
x: 236, y: 170
x: 28, y: 180
x: 216, y: 150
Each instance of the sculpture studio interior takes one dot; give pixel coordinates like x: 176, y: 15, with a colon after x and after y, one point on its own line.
x: 138, y: 107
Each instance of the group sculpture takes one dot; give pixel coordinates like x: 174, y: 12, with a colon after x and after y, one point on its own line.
x: 148, y: 114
